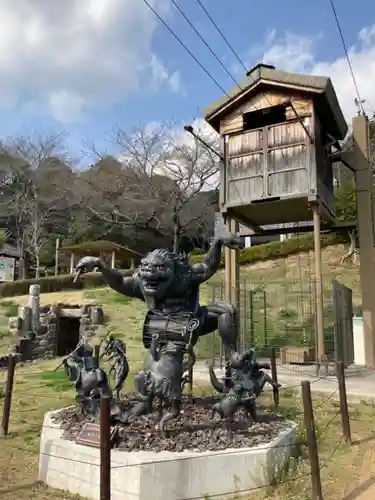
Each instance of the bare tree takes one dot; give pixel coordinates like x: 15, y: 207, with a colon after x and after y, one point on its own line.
x: 152, y: 184
x: 353, y: 251
x: 38, y: 175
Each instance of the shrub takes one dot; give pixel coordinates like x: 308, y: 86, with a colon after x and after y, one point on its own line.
x: 53, y: 284
x: 277, y: 249
x: 197, y: 251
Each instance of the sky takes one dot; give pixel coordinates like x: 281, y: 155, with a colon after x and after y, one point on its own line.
x: 87, y: 66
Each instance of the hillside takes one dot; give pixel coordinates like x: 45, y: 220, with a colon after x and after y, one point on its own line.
x: 287, y: 308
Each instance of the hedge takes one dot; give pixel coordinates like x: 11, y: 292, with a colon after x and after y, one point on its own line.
x: 277, y: 249
x: 267, y: 251
x: 54, y: 284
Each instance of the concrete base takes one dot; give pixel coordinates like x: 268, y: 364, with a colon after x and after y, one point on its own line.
x: 144, y: 475
x: 359, y: 341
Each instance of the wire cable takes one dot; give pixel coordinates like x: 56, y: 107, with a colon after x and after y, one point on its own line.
x: 222, y: 36
x: 186, y: 48
x: 228, y: 44
x: 360, y: 102
x: 205, y: 43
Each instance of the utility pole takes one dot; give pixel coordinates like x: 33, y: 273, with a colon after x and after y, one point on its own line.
x: 360, y: 161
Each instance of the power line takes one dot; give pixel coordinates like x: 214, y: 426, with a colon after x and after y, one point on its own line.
x: 229, y: 45
x: 186, y: 48
x: 204, y: 41
x: 222, y: 35
x: 360, y: 102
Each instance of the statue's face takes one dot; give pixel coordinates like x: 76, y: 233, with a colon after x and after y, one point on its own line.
x: 156, y: 273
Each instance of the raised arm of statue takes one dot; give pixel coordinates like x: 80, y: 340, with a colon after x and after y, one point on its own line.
x: 211, y: 263
x: 121, y: 283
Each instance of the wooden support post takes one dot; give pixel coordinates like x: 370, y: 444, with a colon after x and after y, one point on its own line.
x: 340, y: 369
x: 235, y: 281
x: 113, y: 259
x: 312, y: 447
x: 318, y: 288
x: 57, y: 249
x: 105, y: 448
x: 228, y: 266
x: 8, y: 396
x: 71, y: 263
x: 365, y: 221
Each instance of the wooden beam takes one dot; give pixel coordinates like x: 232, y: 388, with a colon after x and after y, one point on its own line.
x: 227, y: 266
x: 245, y: 221
x: 300, y: 229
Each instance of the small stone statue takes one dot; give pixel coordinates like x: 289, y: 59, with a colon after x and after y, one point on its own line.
x: 115, y: 349
x: 91, y: 381
x: 243, y: 383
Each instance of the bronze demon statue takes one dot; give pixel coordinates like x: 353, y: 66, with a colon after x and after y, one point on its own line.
x: 169, y: 285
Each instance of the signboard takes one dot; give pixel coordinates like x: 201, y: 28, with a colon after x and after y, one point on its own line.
x: 90, y: 435
x: 7, y: 266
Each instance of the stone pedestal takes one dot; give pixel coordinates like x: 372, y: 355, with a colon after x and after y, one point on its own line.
x: 145, y: 475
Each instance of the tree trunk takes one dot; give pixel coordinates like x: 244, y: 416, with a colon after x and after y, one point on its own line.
x: 37, y: 263
x: 176, y: 237
x: 176, y: 230
x: 21, y: 262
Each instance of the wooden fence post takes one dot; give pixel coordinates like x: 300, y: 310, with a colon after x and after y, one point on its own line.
x: 275, y: 389
x: 345, y: 422
x: 312, y: 447
x: 105, y: 448
x: 8, y: 396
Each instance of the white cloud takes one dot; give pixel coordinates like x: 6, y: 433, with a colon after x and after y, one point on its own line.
x: 292, y: 52
x: 74, y: 54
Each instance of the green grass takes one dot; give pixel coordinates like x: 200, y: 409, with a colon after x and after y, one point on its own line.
x: 45, y: 390
x: 58, y: 380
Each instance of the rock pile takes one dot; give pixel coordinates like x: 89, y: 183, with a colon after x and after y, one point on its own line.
x: 193, y: 430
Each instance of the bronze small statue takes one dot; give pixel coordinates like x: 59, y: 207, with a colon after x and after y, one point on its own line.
x: 242, y: 384
x: 91, y: 381
x: 115, y: 350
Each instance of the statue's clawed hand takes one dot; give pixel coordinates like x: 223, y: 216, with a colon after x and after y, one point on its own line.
x: 232, y: 241
x: 87, y: 264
